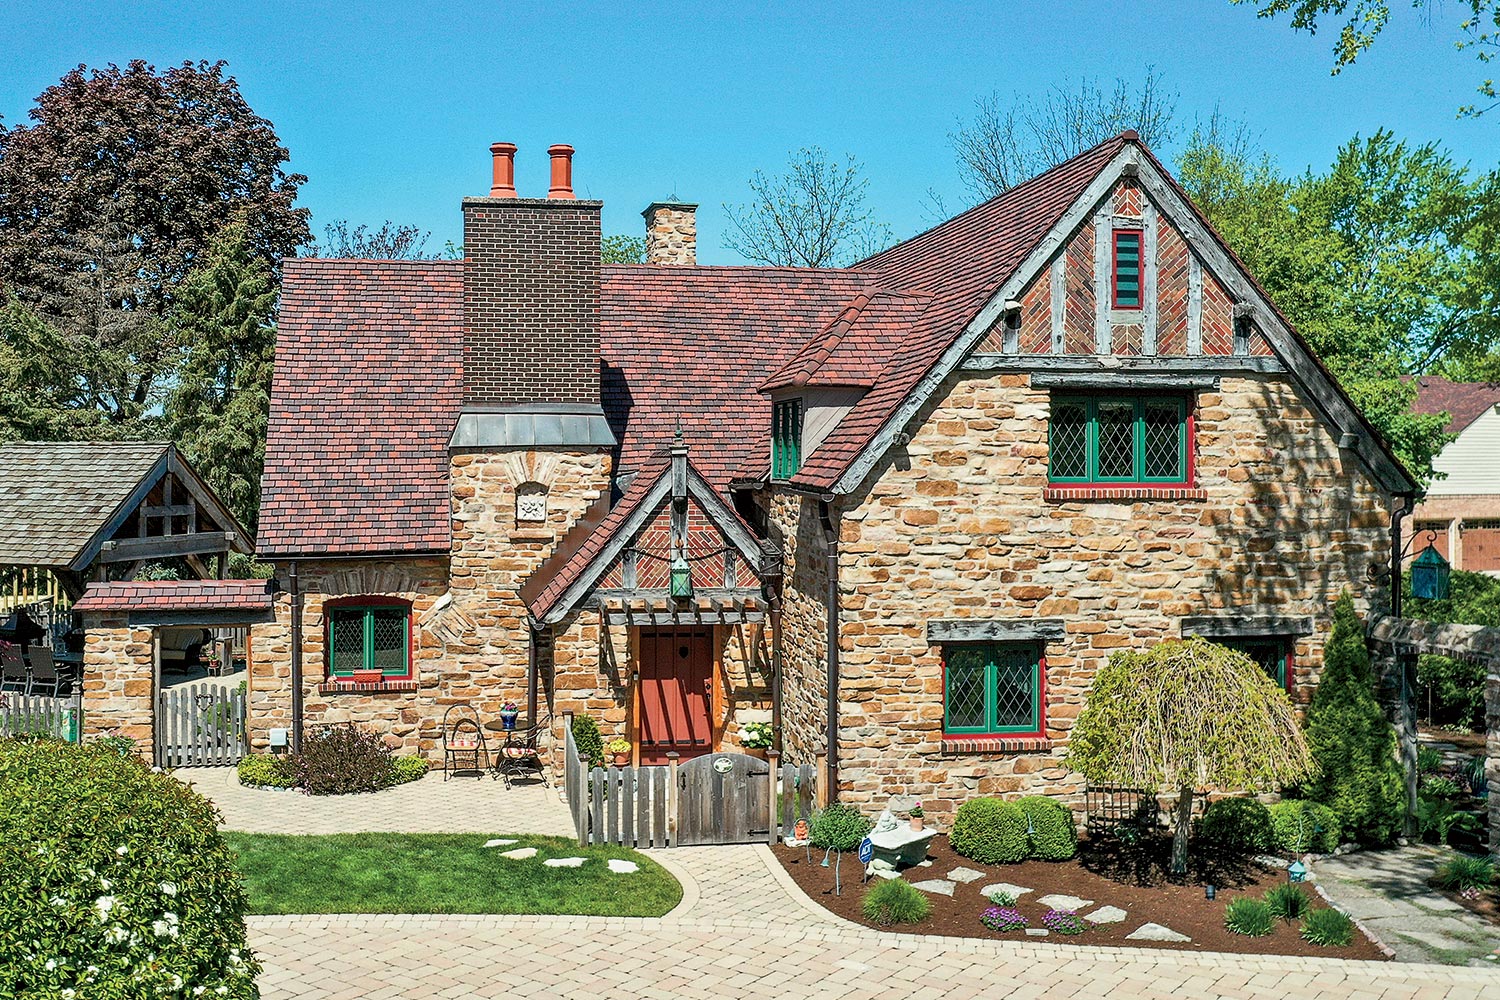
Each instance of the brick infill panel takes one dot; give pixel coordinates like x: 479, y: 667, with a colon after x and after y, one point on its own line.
x: 349, y: 687
x: 994, y: 744
x: 1066, y: 494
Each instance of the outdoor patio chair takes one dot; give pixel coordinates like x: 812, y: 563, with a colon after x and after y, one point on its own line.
x: 13, y: 676
x: 521, y: 754
x: 44, y: 677
x: 463, y: 742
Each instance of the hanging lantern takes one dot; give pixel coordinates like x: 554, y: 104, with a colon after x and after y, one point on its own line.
x: 1429, y: 575
x: 681, y: 577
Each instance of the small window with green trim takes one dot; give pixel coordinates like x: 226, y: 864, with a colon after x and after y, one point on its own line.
x: 1272, y: 652
x: 992, y: 689
x: 369, y: 637
x: 1118, y: 439
x: 1126, y: 280
x: 786, y: 438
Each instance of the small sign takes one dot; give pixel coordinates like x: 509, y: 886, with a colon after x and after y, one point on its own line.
x: 866, y: 851
x: 723, y: 765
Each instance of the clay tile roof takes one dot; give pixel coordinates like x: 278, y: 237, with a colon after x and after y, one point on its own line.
x: 55, y: 496
x: 367, y: 388
x: 177, y: 595
x: 961, y: 263
x: 1465, y: 402
x: 856, y: 345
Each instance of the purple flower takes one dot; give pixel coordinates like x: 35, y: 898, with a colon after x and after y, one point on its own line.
x: 1002, y: 918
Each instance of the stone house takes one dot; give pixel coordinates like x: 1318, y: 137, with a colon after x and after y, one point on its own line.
x: 904, y: 510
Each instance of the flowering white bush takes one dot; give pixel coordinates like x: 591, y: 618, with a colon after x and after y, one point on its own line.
x: 117, y: 883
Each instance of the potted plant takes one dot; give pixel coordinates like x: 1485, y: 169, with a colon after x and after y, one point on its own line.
x: 508, y: 715
x: 367, y: 676
x: 756, y: 738
x: 619, y: 750
x: 916, y: 815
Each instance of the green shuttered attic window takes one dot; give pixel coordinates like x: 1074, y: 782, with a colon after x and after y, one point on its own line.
x: 1118, y: 439
x: 786, y: 438
x: 992, y: 689
x: 1127, y: 269
x: 369, y: 638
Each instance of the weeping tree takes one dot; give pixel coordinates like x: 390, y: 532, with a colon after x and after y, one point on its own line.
x: 1185, y: 715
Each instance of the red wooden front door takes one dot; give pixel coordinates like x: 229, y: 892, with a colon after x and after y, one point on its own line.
x: 676, y: 693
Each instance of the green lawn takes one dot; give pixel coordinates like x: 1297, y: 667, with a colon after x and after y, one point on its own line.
x: 443, y: 873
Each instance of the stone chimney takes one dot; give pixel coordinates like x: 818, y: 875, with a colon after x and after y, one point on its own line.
x: 531, y: 312
x: 671, y: 233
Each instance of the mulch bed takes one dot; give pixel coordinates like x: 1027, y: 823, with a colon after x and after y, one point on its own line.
x: 1099, y: 873
x: 1486, y: 906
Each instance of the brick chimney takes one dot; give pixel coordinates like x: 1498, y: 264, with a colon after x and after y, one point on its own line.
x: 531, y: 312
x: 671, y: 233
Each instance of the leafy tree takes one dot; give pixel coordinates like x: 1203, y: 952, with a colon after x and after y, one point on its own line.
x: 1358, y: 775
x: 621, y: 249
x: 392, y: 241
x: 1185, y: 715
x: 1387, y: 263
x: 42, y: 396
x: 1009, y: 141
x: 813, y: 215
x: 1456, y: 687
x: 218, y: 411
x: 1479, y: 31
x: 112, y: 195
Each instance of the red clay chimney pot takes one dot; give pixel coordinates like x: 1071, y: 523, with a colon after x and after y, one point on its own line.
x: 1130, y: 135
x: 504, y: 183
x: 562, y: 171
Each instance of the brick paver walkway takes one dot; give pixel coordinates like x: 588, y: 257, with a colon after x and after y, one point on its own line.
x: 430, y: 805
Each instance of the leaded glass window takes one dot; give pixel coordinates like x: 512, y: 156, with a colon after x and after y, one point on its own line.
x: 1127, y: 270
x: 992, y: 688
x: 786, y: 438
x: 1272, y: 652
x: 369, y: 638
x: 1118, y: 439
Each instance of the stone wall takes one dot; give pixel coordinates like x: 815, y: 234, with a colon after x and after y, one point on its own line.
x: 119, y: 672
x: 795, y: 523
x: 959, y: 524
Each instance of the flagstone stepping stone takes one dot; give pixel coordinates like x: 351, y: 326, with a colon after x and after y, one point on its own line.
x: 519, y: 854
x: 621, y: 867
x: 941, y: 886
x: 563, y: 862
x: 1155, y: 932
x: 1006, y: 887
x: 965, y: 875
x: 1106, y: 915
x: 1037, y: 932
x: 498, y: 843
x: 1062, y: 902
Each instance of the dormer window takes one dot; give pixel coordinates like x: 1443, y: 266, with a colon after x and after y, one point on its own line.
x: 786, y: 438
x: 1126, y: 274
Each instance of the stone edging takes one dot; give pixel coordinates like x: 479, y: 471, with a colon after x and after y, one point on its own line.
x: 690, y: 891
x: 1385, y: 949
x: 801, y: 898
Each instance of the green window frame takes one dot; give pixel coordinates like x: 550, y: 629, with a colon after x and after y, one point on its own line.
x: 786, y: 438
x: 1119, y: 439
x: 369, y: 637
x: 1126, y: 280
x: 992, y: 688
x: 1272, y: 652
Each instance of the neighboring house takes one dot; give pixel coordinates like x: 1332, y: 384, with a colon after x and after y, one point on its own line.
x: 908, y: 507
x: 1460, y: 512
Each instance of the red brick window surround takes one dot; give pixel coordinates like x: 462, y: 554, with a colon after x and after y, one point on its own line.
x: 1121, y: 446
x: 994, y: 691
x: 1125, y: 270
x: 363, y: 635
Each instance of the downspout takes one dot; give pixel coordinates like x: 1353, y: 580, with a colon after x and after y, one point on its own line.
x: 775, y: 601
x: 829, y: 514
x: 296, y: 598
x: 536, y: 636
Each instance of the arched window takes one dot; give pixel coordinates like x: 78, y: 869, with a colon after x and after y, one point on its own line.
x: 531, y: 502
x: 369, y: 633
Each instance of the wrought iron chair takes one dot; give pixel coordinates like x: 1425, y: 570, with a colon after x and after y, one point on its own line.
x: 44, y: 676
x: 521, y: 754
x: 13, y: 675
x: 463, y: 742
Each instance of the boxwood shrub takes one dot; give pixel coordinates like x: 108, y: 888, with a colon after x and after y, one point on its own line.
x: 117, y: 883
x: 409, y: 768
x: 1237, y: 826
x: 990, y: 831
x: 1301, y: 826
x: 267, y: 771
x: 1052, y: 835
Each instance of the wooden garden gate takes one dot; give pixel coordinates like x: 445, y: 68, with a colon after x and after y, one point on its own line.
x: 200, y: 725
x: 723, y: 798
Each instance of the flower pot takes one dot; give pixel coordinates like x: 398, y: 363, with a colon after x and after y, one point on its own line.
x: 756, y: 752
x: 508, y: 721
x: 367, y: 676
x: 916, y: 822
x: 622, y: 760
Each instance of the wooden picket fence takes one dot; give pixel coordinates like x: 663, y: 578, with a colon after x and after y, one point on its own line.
x: 200, y: 725
x: 722, y: 798
x: 24, y: 715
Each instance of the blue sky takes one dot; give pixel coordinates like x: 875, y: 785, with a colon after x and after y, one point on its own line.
x: 389, y: 108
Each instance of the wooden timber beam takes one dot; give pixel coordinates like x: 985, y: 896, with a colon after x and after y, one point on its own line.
x: 165, y: 546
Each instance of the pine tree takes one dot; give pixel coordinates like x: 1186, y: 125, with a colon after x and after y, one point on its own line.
x: 1359, y: 776
x: 224, y: 322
